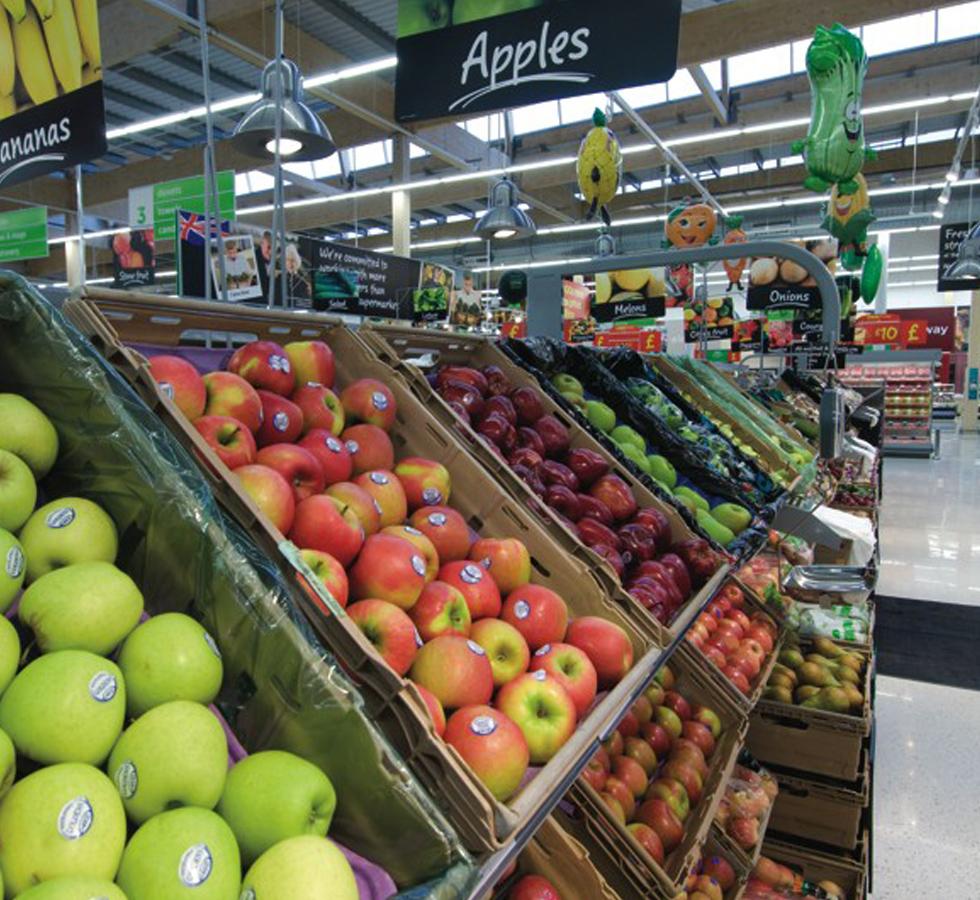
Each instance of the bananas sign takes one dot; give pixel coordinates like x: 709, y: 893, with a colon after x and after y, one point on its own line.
x: 458, y: 57
x: 51, y: 107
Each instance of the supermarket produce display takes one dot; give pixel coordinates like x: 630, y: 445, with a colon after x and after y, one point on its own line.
x: 452, y: 622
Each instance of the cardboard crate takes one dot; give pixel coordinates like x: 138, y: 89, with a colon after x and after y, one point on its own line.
x: 822, y: 810
x: 813, y: 740
x: 616, y: 852
x: 408, y: 349
x: 815, y: 866
x: 483, y: 822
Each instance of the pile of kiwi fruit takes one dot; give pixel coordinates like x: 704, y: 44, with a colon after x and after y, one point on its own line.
x: 820, y: 676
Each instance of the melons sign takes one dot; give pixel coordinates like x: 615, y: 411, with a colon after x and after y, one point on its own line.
x: 457, y: 57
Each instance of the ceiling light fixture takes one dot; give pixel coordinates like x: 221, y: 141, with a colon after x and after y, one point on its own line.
x: 504, y: 219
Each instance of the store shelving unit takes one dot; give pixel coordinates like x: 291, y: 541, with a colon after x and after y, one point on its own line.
x: 944, y: 402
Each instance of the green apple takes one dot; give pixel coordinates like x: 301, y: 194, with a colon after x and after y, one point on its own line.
x: 600, y: 415
x: 693, y: 496
x: 635, y: 455
x: 88, y: 606
x: 174, y: 755
x: 624, y: 434
x: 274, y: 795
x: 28, y: 432
x: 13, y: 567
x: 663, y: 470
x: 300, y: 868
x: 180, y: 853
x: 170, y: 657
x: 61, y: 820
x: 473, y: 10
x: 8, y: 763
x: 732, y: 516
x: 18, y: 492
x: 9, y: 652
x: 74, y: 887
x: 567, y: 384
x: 577, y: 400
x: 66, y: 706
x: 418, y: 16
x: 66, y: 531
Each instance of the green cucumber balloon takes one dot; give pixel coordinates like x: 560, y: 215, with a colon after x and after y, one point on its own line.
x: 871, y: 274
x: 834, y: 150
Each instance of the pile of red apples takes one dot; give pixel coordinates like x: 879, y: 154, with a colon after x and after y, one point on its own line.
x: 737, y: 644
x: 454, y: 611
x: 651, y: 772
x: 596, y: 505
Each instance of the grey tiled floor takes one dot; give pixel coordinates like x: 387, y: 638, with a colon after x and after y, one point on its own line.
x: 927, y: 782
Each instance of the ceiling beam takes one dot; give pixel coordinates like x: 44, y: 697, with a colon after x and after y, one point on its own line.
x: 359, y: 22
x: 718, y: 109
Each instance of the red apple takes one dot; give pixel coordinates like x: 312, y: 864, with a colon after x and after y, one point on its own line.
x: 475, y: 584
x: 180, y: 381
x: 617, y: 495
x: 736, y: 615
x: 642, y: 708
x: 588, y: 465
x: 678, y: 568
x: 554, y: 434
x: 426, y: 482
x: 724, y: 641
x: 421, y: 543
x: 613, y: 557
x: 701, y: 735
x: 594, y: 509
x: 335, y: 459
x: 674, y: 701
x: 527, y: 405
x: 360, y: 502
x: 572, y: 669
x: 324, y: 523
x: 455, y: 669
x: 498, y: 431
x: 538, y: 613
x: 447, y: 530
x: 595, y: 775
x: 525, y: 456
x: 465, y: 396
x: 613, y: 745
x: 371, y: 401
x: 229, y: 438
x: 702, y: 562
x: 761, y: 637
x: 440, y: 609
x: 265, y: 487
x: 657, y: 523
x: 389, y: 629
x: 369, y: 448
x: 593, y: 534
x: 657, y: 737
x: 606, y: 644
x: 563, y: 500
x: 501, y: 406
x: 747, y: 661
x: 655, y: 694
x: 505, y: 647
x: 436, y: 712
x: 637, y: 748
x: 388, y: 493
x: 631, y: 773
x: 299, y: 467
x: 388, y: 568
x: 282, y: 420
x: 720, y: 869
x: 628, y: 726
x: 497, y: 381
x: 264, y: 364
x: 660, y: 817
x: 688, y: 751
x: 506, y: 559
x: 230, y: 395
x: 708, y: 717
x: 638, y: 541
x: 648, y: 839
x: 321, y: 408
x: 683, y: 771
x: 542, y: 709
x: 673, y: 794
x: 613, y: 805
x: 715, y: 655
x: 491, y: 745
x: 534, y: 887
x: 737, y: 677
x: 529, y: 439
x: 312, y: 362
x: 330, y: 572
x: 466, y: 374
x: 744, y: 831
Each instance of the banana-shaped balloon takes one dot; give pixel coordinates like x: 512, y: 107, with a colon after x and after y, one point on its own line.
x: 600, y: 167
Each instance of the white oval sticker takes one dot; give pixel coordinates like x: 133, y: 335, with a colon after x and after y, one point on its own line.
x: 471, y: 574
x: 418, y: 564
x: 476, y: 648
x: 378, y: 477
x: 247, y: 894
x: 127, y: 779
x: 543, y: 651
x: 333, y: 445
x: 539, y: 675
x: 59, y: 518
x: 210, y: 642
x: 195, y: 865
x: 280, y: 421
x: 522, y: 609
x: 377, y: 507
x: 102, y: 686
x: 412, y: 530
x: 167, y: 389
x: 353, y: 447
x: 431, y: 496
x: 279, y: 363
x: 75, y: 819
x: 437, y: 519
x: 14, y: 563
x: 483, y: 725
x: 379, y: 400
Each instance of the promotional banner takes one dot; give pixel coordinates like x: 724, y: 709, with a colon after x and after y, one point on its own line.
x: 155, y: 205
x: 241, y: 268
x: 622, y: 296
x: 133, y: 258
x: 24, y: 234
x: 457, y: 57
x: 776, y: 283
x: 890, y: 328
x: 52, y: 114
x: 578, y: 326
x: 430, y: 301
x: 192, y: 263
x: 643, y: 340
x: 712, y: 320
x: 939, y: 322
x: 959, y: 257
x: 466, y: 309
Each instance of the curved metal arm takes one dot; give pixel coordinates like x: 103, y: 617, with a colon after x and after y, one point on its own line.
x: 544, y: 285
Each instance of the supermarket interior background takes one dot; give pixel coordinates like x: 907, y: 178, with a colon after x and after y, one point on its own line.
x: 520, y: 449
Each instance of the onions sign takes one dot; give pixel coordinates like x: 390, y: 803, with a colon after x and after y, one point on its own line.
x: 457, y: 57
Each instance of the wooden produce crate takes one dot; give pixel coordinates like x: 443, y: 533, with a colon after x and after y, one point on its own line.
x: 629, y: 868
x: 484, y: 823
x: 407, y: 350
x: 812, y: 740
x: 816, y: 866
x: 821, y: 809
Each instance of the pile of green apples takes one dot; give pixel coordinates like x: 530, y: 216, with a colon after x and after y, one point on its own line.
x: 114, y: 771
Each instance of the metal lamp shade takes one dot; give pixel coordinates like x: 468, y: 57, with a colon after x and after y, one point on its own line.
x: 504, y: 220
x: 257, y: 127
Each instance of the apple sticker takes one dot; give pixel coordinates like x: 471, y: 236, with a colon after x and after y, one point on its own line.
x: 280, y: 421
x: 539, y: 675
x: 167, y: 389
x: 352, y: 446
x: 333, y: 445
x: 437, y: 519
x: 59, y: 518
x: 483, y: 725
x: 543, y: 651
x: 14, y: 563
x: 378, y: 477
x: 210, y: 642
x: 379, y: 400
x: 476, y: 648
x: 522, y: 609
x: 431, y: 496
x: 412, y: 530
x: 195, y: 865
x: 418, y: 564
x: 126, y: 779
x: 75, y: 819
x: 471, y: 574
x: 279, y: 363
x: 102, y: 687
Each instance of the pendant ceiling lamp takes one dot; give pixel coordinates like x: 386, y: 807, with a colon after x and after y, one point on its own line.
x: 504, y: 219
x: 304, y: 136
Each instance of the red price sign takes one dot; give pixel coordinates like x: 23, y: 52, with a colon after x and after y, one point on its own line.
x: 888, y: 329
x: 514, y: 329
x: 643, y: 340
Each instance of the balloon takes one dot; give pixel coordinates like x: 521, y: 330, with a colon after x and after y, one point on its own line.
x: 871, y: 274
x: 512, y: 287
x: 834, y: 150
x: 600, y: 167
x: 735, y: 267
x: 690, y: 225
x: 849, y: 215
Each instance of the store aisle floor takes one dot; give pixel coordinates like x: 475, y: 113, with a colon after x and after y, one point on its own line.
x: 930, y: 524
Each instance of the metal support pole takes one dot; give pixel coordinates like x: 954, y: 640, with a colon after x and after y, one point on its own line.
x: 80, y: 213
x: 210, y: 177
x: 281, y: 198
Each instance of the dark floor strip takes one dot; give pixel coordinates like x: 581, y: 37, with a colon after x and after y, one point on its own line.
x: 928, y: 641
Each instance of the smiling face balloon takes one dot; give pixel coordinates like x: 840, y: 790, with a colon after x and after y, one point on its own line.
x: 690, y: 226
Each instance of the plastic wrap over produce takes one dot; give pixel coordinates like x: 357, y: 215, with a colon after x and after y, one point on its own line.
x: 282, y: 689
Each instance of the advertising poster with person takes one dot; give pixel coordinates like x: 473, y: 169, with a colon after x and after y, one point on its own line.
x: 241, y: 268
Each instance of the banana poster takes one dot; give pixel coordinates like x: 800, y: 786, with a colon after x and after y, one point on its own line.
x: 459, y: 57
x: 52, y: 113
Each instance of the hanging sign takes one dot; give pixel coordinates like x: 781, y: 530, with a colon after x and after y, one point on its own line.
x: 890, y: 329
x: 959, y: 257
x: 459, y: 57
x: 52, y: 115
x: 712, y: 320
x: 24, y: 234
x: 133, y: 258
x: 155, y: 205
x: 643, y: 340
